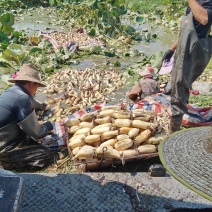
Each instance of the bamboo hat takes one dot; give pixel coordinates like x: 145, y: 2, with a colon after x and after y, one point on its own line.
x: 149, y: 70
x: 187, y: 155
x: 28, y: 72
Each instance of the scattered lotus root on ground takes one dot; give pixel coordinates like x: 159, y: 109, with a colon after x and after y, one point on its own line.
x: 70, y: 90
x: 67, y: 38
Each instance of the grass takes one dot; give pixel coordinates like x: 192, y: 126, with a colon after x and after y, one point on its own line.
x: 201, y: 100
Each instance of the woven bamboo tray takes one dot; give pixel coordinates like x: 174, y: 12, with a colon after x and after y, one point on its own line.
x: 86, y: 166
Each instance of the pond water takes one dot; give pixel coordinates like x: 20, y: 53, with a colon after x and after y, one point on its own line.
x: 41, y: 19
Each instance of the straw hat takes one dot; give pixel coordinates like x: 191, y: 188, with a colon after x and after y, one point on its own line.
x: 149, y: 70
x: 28, y: 72
x: 167, y: 66
x: 187, y: 155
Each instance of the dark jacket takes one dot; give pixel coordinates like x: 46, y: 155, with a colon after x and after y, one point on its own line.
x: 15, y: 105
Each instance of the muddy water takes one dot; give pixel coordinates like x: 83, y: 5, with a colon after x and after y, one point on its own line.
x: 41, y: 19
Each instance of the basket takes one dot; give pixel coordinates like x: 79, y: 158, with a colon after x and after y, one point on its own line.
x: 83, y: 166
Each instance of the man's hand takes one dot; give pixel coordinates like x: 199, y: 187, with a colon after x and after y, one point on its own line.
x: 49, y: 125
x: 168, y: 54
x: 43, y: 106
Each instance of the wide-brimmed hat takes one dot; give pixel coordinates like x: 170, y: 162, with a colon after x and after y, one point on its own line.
x: 149, y: 70
x: 28, y: 72
x: 166, y: 66
x: 187, y: 155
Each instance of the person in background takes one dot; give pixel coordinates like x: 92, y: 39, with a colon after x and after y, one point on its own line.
x: 146, y: 86
x: 192, y: 53
x: 19, y: 127
x: 69, y: 45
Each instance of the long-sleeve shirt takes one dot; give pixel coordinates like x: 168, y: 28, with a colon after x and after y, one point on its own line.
x: 15, y: 105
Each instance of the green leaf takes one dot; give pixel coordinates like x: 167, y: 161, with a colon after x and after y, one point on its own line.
x: 15, y: 52
x: 48, y: 68
x: 95, y: 49
x: 95, y: 5
x: 154, y: 35
x: 52, y: 2
x: 128, y: 29
x: 3, y: 37
x: 92, y: 32
x: 4, y: 63
x: 7, y: 29
x: 100, y: 13
x: 117, y: 64
x: 137, y: 37
x: 140, y: 19
x: 131, y: 72
x: 17, y: 34
x: 35, y: 50
x: 7, y: 19
x: 4, y: 44
x: 109, y: 54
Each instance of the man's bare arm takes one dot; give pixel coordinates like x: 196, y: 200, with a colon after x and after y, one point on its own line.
x: 200, y: 13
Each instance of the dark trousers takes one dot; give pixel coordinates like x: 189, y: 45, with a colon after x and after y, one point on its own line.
x: 29, y: 154
x: 191, y: 57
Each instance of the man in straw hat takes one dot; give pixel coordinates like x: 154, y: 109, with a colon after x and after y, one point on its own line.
x: 145, y: 87
x: 19, y: 126
x: 192, y: 50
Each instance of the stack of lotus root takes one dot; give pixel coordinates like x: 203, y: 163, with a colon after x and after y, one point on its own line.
x: 113, y: 133
x: 71, y: 90
x: 65, y: 38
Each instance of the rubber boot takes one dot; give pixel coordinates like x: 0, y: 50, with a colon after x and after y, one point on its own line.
x: 175, y: 123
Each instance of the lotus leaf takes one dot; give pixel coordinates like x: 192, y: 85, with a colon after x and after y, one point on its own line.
x: 15, y: 52
x: 48, y: 68
x: 7, y: 19
x: 95, y: 49
x: 117, y: 64
x: 35, y: 50
x: 128, y: 29
x: 3, y: 37
x: 131, y: 72
x: 4, y: 44
x: 137, y: 37
x: 4, y: 63
x: 154, y: 35
x: 140, y: 19
x: 8, y: 30
x: 17, y: 34
x: 92, y: 32
x: 109, y: 54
